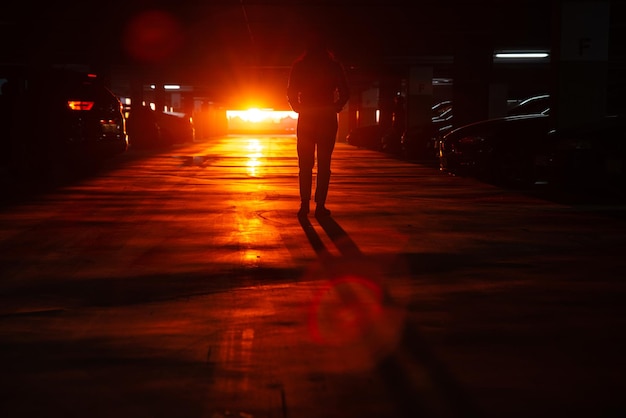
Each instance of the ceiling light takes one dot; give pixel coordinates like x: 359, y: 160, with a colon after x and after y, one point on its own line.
x: 166, y: 86
x: 522, y: 55
x: 516, y: 55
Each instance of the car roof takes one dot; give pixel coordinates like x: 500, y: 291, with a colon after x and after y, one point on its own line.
x: 530, y: 105
x: 501, y: 120
x: 603, y: 124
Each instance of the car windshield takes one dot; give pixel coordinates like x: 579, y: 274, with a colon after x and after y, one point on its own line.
x: 532, y: 105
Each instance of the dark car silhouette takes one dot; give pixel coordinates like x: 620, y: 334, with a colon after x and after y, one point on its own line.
x: 499, y: 150
x: 366, y: 137
x: 531, y: 105
x: 421, y: 142
x: 54, y: 117
x: 148, y: 128
x: 587, y: 157
x: 442, y: 121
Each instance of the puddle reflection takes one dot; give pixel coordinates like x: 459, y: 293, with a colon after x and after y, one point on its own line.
x: 236, y: 357
x: 255, y: 153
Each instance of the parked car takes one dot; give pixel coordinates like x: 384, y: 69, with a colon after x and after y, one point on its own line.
x: 531, y: 105
x: 442, y: 109
x: 420, y: 142
x: 417, y: 143
x: 150, y: 129
x: 391, y: 141
x: 176, y: 127
x: 366, y: 137
x: 586, y: 157
x: 53, y: 117
x: 500, y: 150
x: 443, y: 120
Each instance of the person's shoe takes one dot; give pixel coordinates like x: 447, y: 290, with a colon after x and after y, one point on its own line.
x: 321, y: 211
x: 304, y: 210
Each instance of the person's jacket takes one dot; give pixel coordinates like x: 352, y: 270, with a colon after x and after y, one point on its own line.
x: 317, y: 82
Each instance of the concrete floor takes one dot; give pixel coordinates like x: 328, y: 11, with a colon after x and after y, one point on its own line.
x: 182, y: 284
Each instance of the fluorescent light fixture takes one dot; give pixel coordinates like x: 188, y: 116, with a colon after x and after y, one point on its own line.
x: 521, y: 55
x: 516, y: 55
x: 166, y: 86
x: 442, y: 81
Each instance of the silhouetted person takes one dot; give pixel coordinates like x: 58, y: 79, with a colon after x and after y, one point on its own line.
x: 317, y: 91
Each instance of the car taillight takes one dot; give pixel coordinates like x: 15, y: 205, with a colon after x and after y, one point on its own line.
x: 79, y: 104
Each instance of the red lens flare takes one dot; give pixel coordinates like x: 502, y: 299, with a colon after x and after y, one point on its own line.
x: 355, y: 323
x: 152, y: 36
x: 345, y: 310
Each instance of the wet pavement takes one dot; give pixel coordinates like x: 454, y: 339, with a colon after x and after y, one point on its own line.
x: 182, y: 284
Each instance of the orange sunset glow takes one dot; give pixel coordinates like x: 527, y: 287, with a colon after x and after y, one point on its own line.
x: 259, y: 119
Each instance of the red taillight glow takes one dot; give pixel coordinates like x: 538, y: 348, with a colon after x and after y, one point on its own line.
x: 79, y: 105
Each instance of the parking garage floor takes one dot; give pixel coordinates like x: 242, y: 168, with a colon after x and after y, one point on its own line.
x: 180, y: 283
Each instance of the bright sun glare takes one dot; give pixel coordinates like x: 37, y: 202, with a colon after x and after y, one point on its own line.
x: 262, y: 120
x: 256, y: 115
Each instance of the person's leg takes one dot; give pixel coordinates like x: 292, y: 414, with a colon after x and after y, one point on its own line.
x: 324, y: 154
x: 325, y: 147
x: 306, y: 161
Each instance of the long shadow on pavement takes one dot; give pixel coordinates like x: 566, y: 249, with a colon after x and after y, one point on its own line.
x: 444, y: 396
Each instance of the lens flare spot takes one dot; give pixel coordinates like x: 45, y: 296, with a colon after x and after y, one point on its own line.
x: 345, y: 310
x: 152, y: 36
x: 261, y: 120
x: 352, y: 316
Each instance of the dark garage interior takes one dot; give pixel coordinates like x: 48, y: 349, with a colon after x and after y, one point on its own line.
x: 153, y: 261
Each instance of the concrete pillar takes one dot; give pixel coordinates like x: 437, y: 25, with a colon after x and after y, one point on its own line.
x: 159, y: 97
x: 136, y: 91
x: 498, y: 95
x: 389, y: 87
x: 343, y: 128
x: 187, y: 105
x: 580, y: 61
x: 368, y: 107
x: 420, y: 97
x: 473, y: 64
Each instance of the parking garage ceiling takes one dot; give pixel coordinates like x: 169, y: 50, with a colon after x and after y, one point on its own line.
x: 217, y: 33
x: 218, y: 39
